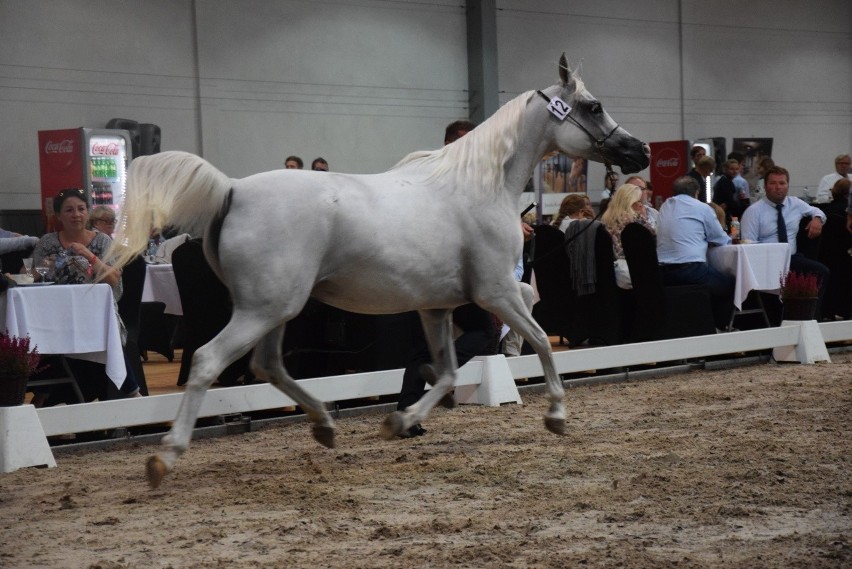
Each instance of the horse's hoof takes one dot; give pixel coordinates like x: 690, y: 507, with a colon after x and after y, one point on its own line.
x: 156, y: 470
x: 427, y: 372
x: 448, y: 401
x: 555, y: 426
x: 392, y: 425
x: 324, y: 435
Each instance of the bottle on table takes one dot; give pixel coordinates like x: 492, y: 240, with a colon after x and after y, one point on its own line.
x: 735, y: 231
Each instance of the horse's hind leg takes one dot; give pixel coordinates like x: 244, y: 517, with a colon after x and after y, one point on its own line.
x: 242, y: 332
x: 510, y: 309
x: 438, y: 327
x: 267, y: 364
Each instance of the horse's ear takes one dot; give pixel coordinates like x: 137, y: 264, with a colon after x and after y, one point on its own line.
x: 564, y: 70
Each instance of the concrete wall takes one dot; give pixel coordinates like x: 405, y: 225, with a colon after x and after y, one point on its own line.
x: 247, y: 82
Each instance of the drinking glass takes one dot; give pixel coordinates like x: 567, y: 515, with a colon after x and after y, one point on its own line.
x: 28, y: 265
x: 42, y: 269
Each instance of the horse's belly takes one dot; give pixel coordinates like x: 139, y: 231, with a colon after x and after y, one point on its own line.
x: 388, y: 296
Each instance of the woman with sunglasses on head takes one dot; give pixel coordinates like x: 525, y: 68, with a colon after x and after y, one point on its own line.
x: 75, y: 255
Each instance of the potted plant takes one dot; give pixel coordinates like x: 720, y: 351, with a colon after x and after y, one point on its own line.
x: 800, y: 295
x: 17, y: 364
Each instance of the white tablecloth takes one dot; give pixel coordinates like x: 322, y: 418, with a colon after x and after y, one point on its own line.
x: 160, y: 286
x: 757, y: 266
x: 75, y: 320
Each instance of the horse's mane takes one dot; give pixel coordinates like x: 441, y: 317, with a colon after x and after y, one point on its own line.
x: 478, y: 158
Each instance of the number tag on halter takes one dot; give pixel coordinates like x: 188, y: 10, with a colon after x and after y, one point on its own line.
x: 558, y: 108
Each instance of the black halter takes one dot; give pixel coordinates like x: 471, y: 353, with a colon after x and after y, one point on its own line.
x: 599, y: 142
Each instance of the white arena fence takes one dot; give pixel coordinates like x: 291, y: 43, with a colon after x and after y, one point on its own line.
x: 485, y: 380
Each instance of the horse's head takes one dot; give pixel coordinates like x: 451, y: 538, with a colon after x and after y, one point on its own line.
x: 584, y: 129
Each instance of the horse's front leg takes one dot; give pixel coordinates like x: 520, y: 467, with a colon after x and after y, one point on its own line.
x: 438, y: 327
x: 237, y: 338
x: 511, y: 309
x: 266, y: 363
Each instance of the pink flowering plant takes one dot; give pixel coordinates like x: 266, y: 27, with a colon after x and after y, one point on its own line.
x: 16, y: 359
x: 799, y: 285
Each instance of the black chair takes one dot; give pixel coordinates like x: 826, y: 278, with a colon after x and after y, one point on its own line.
x: 156, y: 330
x: 129, y: 310
x: 553, y: 281
x: 804, y: 245
x: 835, y: 244
x: 598, y: 317
x: 207, y: 309
x: 661, y: 312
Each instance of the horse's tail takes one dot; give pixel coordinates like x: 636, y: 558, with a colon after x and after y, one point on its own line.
x: 170, y: 189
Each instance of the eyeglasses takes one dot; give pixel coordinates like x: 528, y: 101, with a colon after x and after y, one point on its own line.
x: 107, y: 221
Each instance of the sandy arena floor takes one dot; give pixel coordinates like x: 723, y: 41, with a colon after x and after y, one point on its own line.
x: 747, y: 467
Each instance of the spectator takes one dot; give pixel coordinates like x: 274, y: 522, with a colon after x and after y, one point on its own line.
x: 293, y: 163
x: 653, y: 214
x: 610, y: 183
x: 704, y: 168
x: 572, y: 208
x: 11, y: 241
x: 76, y: 256
x: 319, y: 165
x: 686, y: 228
x: 695, y: 154
x: 841, y: 167
x: 834, y: 253
x: 762, y: 167
x: 625, y: 207
x: 479, y: 330
x: 740, y: 183
x: 102, y: 219
x: 776, y: 219
x: 725, y: 192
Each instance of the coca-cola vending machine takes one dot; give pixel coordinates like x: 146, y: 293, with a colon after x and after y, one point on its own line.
x: 668, y: 162
x: 94, y: 160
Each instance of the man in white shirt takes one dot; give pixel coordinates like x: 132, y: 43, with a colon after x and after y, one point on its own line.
x: 841, y: 167
x: 685, y: 229
x: 776, y: 219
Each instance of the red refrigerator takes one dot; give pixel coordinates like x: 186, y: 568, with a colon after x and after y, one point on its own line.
x: 94, y: 160
x: 669, y: 161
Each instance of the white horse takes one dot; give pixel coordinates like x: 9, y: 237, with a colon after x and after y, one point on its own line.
x: 439, y: 230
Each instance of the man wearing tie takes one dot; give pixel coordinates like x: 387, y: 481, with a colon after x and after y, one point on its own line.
x: 776, y: 218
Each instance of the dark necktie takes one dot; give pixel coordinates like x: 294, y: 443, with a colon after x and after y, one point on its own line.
x: 782, y: 227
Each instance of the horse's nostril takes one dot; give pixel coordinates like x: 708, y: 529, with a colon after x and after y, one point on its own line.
x: 646, y: 149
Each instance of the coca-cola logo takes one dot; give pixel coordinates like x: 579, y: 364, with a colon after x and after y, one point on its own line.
x: 667, y: 163
x: 105, y: 149
x: 62, y: 147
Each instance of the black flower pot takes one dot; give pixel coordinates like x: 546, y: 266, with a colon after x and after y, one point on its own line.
x: 799, y: 308
x: 12, y: 391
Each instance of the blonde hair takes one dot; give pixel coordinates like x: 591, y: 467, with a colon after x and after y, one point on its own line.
x: 620, y: 208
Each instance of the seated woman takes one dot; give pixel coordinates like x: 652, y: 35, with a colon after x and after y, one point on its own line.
x: 572, y: 208
x: 102, y: 219
x: 625, y: 207
x: 76, y: 256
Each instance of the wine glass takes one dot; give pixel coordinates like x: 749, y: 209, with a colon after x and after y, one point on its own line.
x: 28, y: 265
x: 42, y: 269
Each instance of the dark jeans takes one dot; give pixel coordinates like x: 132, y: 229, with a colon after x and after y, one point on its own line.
x: 479, y: 334
x: 721, y: 287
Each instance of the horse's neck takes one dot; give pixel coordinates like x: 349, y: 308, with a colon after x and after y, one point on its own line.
x: 532, y: 146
